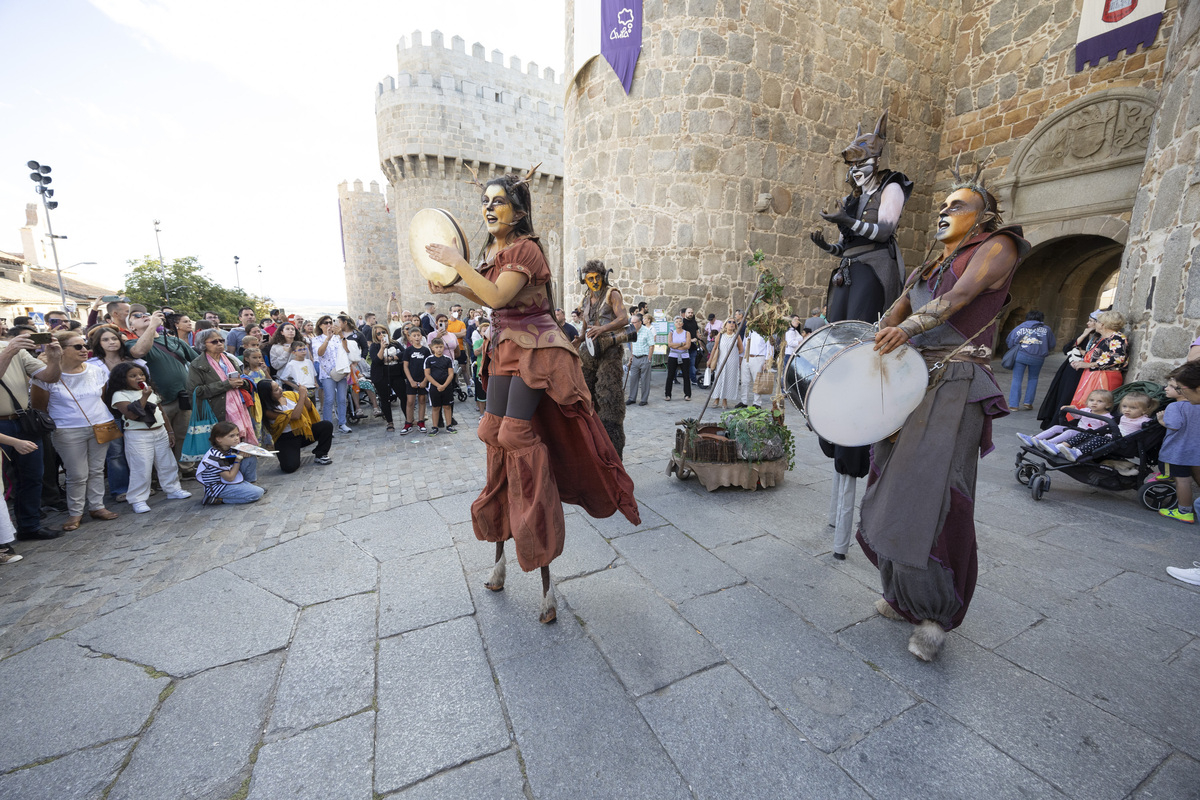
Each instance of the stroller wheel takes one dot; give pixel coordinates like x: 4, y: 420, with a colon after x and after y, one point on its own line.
x: 1038, y: 486
x: 462, y: 396
x: 1025, y: 473
x: 1158, y: 495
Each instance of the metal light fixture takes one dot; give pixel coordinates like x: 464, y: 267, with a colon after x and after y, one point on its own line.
x: 41, y: 176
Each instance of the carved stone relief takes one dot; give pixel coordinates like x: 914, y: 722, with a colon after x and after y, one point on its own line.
x: 1093, y: 134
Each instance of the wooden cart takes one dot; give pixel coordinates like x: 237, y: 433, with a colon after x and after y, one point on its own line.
x: 705, y: 451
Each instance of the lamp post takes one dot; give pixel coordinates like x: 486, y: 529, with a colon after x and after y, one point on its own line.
x: 237, y: 275
x: 162, y: 268
x: 41, y: 176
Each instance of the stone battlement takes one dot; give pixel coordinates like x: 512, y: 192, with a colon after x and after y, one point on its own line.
x: 345, y: 190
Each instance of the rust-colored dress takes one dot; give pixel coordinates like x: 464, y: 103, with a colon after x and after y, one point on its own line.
x: 526, y: 342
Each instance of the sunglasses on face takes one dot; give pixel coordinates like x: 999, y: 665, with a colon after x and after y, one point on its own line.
x: 78, y: 346
x: 138, y: 315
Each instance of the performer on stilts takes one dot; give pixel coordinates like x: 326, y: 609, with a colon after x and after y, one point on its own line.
x: 603, y: 311
x: 918, y: 514
x: 545, y: 444
x: 867, y: 281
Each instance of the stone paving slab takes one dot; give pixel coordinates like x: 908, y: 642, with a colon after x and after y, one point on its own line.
x: 648, y: 644
x: 330, y: 669
x: 827, y: 691
x: 333, y: 761
x: 399, y: 532
x: 1063, y: 739
x: 588, y: 550
x: 437, y: 704
x: 585, y: 739
x: 203, y: 735
x: 924, y: 753
x: 1175, y: 604
x: 993, y: 619
x: 84, y: 773
x: 496, y: 777
x: 310, y: 569
x: 674, y: 564
x: 508, y: 619
x: 63, y: 697
x: 213, y: 619
x: 729, y: 743
x: 1177, y: 777
x: 422, y: 590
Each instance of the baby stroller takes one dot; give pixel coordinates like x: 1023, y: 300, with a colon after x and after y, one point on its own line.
x: 1123, y: 463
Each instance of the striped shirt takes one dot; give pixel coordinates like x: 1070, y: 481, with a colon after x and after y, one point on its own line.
x: 208, y: 472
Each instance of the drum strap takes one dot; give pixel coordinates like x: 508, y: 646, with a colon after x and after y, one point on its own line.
x: 939, y: 367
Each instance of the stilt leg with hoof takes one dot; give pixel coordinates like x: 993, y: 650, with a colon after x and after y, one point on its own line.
x: 887, y: 612
x: 549, y: 612
x: 495, y: 581
x: 927, y: 640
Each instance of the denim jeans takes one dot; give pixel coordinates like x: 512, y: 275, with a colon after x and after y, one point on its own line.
x: 27, y: 494
x: 333, y: 400
x: 1026, y: 366
x: 116, y: 467
x: 239, y: 493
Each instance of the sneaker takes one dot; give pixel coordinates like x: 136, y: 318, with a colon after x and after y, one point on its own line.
x: 1183, y: 516
x: 345, y: 429
x: 324, y: 461
x: 1069, y: 453
x: 1045, y: 445
x: 1025, y: 407
x: 405, y: 430
x: 1191, y: 576
x: 140, y: 508
x: 433, y: 431
x: 10, y: 556
x: 451, y: 429
x: 180, y: 495
x: 1026, y: 439
x: 421, y: 426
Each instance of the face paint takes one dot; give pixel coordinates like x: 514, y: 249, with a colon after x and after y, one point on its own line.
x: 498, y: 211
x: 861, y: 172
x: 958, y: 216
x: 594, y: 281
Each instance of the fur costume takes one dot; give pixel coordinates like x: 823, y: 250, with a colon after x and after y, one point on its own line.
x: 602, y: 372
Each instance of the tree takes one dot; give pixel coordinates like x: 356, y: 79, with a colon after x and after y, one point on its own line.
x: 191, y: 291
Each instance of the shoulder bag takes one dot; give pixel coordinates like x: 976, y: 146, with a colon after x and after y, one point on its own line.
x: 105, y: 432
x: 34, y: 423
x: 195, y: 443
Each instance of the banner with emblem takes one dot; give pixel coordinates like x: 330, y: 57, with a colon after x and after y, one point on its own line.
x: 1106, y: 27
x: 621, y: 37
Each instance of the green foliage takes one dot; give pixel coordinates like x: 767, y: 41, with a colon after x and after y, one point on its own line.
x: 769, y: 312
x: 755, y: 428
x: 191, y: 291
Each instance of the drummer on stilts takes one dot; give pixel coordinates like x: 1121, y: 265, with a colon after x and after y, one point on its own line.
x: 866, y: 281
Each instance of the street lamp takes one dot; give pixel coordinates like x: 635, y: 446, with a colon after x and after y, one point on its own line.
x: 236, y: 275
x: 41, y: 176
x: 162, y: 268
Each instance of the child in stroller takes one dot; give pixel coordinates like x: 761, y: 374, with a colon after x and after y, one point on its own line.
x: 1135, y: 411
x: 1112, y: 459
x: 1099, y: 402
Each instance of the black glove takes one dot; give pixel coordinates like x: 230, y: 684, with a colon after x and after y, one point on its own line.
x: 818, y: 238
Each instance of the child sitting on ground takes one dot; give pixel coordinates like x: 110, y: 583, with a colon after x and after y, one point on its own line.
x: 227, y: 475
x: 148, y: 438
x: 1135, y: 411
x: 1099, y: 403
x: 439, y: 373
x: 1180, y: 451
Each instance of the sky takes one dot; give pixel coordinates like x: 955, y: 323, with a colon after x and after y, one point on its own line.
x: 231, y: 121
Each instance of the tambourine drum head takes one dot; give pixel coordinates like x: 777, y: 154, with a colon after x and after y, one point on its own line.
x: 436, y: 226
x: 590, y: 344
x: 816, y: 351
x: 861, y: 397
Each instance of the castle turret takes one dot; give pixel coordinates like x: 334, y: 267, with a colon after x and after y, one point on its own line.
x: 446, y: 109
x: 368, y: 247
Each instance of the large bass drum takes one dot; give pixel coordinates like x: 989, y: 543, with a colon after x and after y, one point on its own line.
x: 850, y: 394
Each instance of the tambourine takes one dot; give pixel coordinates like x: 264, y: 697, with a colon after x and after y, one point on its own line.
x: 436, y: 226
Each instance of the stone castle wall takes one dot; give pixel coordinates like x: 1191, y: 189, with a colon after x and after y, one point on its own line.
x: 1157, y: 289
x: 369, y: 245
x: 447, y: 109
x: 736, y: 106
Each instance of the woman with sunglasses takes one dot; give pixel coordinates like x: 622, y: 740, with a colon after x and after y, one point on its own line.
x: 75, y: 403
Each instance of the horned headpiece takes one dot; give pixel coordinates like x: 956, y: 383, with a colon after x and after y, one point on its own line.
x: 867, y: 145
x: 595, y: 265
x: 976, y: 183
x: 526, y: 178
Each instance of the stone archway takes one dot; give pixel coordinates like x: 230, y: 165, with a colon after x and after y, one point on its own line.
x: 1063, y: 278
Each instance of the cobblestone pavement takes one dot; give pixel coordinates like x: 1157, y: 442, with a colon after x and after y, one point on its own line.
x: 335, y: 641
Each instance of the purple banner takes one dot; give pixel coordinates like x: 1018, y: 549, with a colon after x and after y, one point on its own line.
x: 621, y: 37
x: 1110, y: 44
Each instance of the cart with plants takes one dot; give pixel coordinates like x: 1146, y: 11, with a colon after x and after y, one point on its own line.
x: 750, y: 448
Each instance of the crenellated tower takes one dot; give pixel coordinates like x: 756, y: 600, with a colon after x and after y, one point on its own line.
x: 368, y: 246
x: 446, y: 109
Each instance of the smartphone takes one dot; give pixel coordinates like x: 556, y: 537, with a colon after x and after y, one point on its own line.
x: 112, y: 298
x: 41, y: 338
